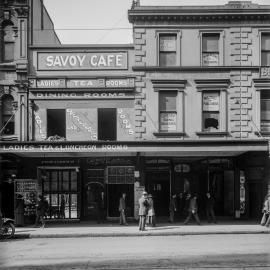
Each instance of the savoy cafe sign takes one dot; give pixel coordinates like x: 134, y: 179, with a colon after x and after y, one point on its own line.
x: 82, y: 60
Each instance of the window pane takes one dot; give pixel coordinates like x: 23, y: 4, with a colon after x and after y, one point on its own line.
x: 167, y: 43
x: 54, y: 208
x: 167, y: 59
x: 266, y: 41
x: 265, y: 106
x: 54, y: 176
x: 74, y: 206
x: 210, y: 121
x: 64, y: 206
x: 73, y: 179
x: 167, y: 100
x: 265, y: 125
x: 56, y: 119
x: 7, y: 105
x: 9, y: 51
x: 265, y: 59
x: 211, y: 102
x: 167, y: 122
x: 210, y: 43
x: 210, y: 59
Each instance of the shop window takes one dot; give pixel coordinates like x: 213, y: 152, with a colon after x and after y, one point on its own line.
x: 56, y: 122
x: 8, y: 116
x: 60, y: 187
x: 107, y: 124
x: 265, y: 49
x: 265, y: 111
x: 210, y: 49
x: 167, y: 50
x: 211, y: 111
x: 9, y: 42
x: 167, y: 111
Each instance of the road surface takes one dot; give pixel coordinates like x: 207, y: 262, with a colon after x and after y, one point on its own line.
x: 168, y: 252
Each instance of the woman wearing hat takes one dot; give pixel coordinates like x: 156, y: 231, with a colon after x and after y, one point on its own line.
x: 151, y: 217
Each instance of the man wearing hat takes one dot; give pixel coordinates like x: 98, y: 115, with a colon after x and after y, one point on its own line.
x: 143, y: 203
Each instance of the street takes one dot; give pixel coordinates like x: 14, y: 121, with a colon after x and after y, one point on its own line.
x: 243, y: 251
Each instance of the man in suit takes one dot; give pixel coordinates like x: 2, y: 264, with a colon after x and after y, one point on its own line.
x: 122, y: 209
x: 193, y: 211
x: 143, y: 204
x: 101, y: 207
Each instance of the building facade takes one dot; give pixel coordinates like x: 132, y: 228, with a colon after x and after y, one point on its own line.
x: 184, y: 109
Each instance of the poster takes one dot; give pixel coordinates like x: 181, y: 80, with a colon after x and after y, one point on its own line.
x: 167, y: 122
x: 211, y: 102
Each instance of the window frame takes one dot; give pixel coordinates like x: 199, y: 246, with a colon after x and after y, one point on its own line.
x: 178, y: 35
x: 261, y: 50
x: 218, y: 86
x: 221, y: 52
x: 10, y: 117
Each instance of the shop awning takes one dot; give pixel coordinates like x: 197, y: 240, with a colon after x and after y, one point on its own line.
x: 129, y: 148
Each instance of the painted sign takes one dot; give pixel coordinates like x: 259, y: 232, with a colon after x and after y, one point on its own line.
x: 80, y: 95
x: 40, y: 124
x: 167, y: 122
x: 115, y: 83
x: 81, y: 124
x: 265, y: 72
x: 211, y: 102
x: 125, y: 124
x: 210, y: 59
x: 82, y: 61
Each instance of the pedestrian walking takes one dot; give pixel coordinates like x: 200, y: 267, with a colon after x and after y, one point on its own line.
x: 101, y: 208
x: 143, y: 208
x: 193, y: 211
x: 172, y: 208
x: 40, y: 211
x: 151, y: 216
x: 122, y: 210
x: 210, y: 203
x: 19, y: 211
x: 266, y: 212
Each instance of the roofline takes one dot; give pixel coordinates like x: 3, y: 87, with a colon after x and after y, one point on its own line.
x: 83, y: 46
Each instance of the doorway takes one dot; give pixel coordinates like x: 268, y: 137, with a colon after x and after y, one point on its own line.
x: 158, y: 184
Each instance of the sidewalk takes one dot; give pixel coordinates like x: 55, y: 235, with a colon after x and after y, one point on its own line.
x: 87, y: 229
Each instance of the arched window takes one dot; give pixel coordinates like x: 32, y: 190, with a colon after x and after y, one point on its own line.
x: 9, y: 41
x: 7, y: 115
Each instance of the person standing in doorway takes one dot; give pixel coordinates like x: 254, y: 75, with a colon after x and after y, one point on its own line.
x: 151, y: 211
x: 193, y: 211
x: 101, y: 207
x: 122, y: 210
x: 210, y: 203
x: 143, y: 208
x: 172, y: 208
x: 62, y: 206
x: 266, y: 212
x: 40, y: 212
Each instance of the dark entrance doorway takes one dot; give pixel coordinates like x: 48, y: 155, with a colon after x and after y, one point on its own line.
x: 115, y: 191
x: 158, y: 184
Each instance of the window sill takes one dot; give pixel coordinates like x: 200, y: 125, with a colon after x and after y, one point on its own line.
x: 9, y: 138
x: 169, y: 134
x: 216, y: 133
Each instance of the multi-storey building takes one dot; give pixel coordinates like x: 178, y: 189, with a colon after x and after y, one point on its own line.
x: 22, y: 23
x: 185, y: 109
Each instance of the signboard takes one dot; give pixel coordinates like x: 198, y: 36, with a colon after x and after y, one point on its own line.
x: 210, y: 59
x: 82, y: 61
x: 167, y: 43
x: 167, y: 122
x: 87, y: 83
x: 265, y: 72
x: 40, y: 118
x: 125, y: 124
x: 27, y: 188
x: 81, y: 124
x: 210, y: 101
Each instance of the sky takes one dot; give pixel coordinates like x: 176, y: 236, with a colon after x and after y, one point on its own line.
x: 80, y: 21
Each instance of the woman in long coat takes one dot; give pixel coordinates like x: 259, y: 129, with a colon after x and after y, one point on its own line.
x: 151, y: 216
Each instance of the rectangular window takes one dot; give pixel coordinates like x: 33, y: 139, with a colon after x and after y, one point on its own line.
x: 56, y: 122
x: 107, y: 124
x: 167, y: 111
x: 265, y: 111
x: 211, y: 112
x: 61, y: 188
x: 167, y: 50
x: 210, y: 49
x: 265, y: 54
